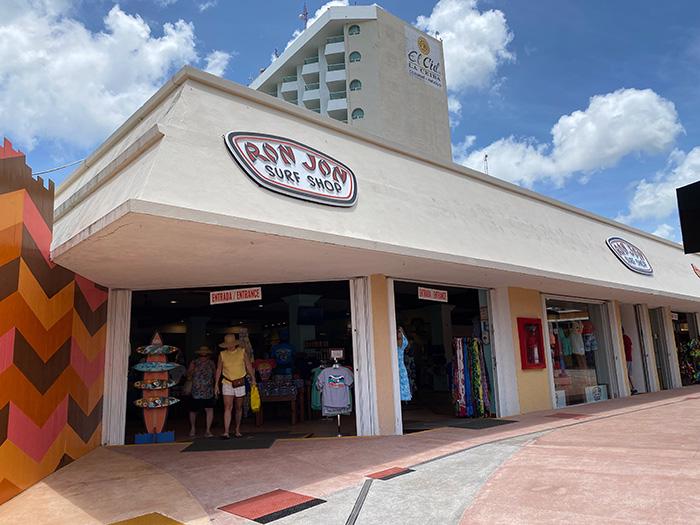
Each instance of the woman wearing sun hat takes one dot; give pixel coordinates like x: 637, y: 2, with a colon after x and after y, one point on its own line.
x: 201, y: 373
x: 234, y: 364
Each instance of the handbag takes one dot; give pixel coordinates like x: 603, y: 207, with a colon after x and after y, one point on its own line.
x: 255, y: 399
x: 235, y: 383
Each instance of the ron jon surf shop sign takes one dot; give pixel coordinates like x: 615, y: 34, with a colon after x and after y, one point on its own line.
x: 288, y: 167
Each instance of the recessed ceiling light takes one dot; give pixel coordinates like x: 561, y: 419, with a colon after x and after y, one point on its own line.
x: 260, y: 306
x: 173, y: 301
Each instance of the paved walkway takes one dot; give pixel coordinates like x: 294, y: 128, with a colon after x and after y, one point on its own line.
x: 633, y: 460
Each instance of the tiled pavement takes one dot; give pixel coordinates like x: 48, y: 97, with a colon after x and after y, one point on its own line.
x: 632, y: 451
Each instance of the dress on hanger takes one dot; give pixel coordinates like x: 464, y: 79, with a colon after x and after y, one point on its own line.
x: 403, y: 373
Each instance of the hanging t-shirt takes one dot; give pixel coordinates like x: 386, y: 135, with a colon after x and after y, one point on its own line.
x: 334, y: 384
x: 315, y: 390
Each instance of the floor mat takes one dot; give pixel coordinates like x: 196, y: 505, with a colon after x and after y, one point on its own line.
x: 410, y: 427
x: 247, y: 442
x: 271, y: 506
x: 567, y: 415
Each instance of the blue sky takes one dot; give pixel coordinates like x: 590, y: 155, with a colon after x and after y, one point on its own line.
x: 524, y: 74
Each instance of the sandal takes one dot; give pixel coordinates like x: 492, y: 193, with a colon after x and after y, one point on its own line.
x: 225, y: 436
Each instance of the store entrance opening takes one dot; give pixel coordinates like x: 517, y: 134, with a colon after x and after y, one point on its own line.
x: 685, y: 331
x: 444, y: 353
x: 291, y: 333
x: 634, y: 348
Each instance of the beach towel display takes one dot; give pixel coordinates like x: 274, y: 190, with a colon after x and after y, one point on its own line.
x: 470, y: 385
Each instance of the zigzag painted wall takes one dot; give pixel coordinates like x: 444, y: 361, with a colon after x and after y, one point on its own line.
x: 52, y: 339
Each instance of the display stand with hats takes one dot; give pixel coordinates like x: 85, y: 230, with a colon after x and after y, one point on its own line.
x: 155, y: 385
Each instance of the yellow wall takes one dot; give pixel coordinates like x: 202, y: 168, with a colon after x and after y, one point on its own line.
x: 533, y: 385
x: 383, y: 354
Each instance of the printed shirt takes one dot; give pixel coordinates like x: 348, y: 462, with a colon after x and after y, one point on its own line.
x: 334, y: 384
x: 203, y: 379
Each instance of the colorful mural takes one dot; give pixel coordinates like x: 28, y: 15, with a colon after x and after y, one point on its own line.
x: 52, y: 339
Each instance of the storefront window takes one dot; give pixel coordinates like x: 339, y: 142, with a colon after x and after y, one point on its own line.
x: 579, y: 342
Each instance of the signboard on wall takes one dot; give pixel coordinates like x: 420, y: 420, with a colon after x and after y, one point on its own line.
x: 630, y: 255
x: 237, y: 295
x: 291, y: 168
x: 431, y: 294
x: 423, y: 58
x: 596, y: 393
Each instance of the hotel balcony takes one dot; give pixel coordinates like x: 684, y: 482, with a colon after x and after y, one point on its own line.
x: 336, y: 76
x: 290, y: 87
x: 335, y: 46
x: 310, y: 69
x: 338, y: 105
x: 312, y: 95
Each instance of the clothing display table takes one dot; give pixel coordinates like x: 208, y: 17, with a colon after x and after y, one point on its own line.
x: 291, y: 399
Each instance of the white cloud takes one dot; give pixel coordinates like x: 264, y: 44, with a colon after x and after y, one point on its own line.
x: 60, y: 81
x: 207, y: 5
x: 454, y: 106
x: 656, y: 198
x: 475, y: 43
x: 312, y: 19
x: 217, y: 61
x: 612, y: 126
x: 165, y: 3
x: 666, y: 231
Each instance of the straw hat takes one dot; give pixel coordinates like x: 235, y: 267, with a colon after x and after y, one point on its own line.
x: 203, y: 350
x: 230, y: 341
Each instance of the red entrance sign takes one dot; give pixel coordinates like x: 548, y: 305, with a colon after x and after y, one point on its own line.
x: 236, y: 296
x: 431, y: 294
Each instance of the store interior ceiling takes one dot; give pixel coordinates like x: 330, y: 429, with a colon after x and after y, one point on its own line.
x: 154, y: 309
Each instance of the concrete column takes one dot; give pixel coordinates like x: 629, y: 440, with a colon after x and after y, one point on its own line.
x: 506, y: 382
x: 363, y: 358
x: 298, y: 334
x: 116, y: 367
x: 648, y: 353
x: 386, y: 364
x: 618, y: 349
x: 674, y: 368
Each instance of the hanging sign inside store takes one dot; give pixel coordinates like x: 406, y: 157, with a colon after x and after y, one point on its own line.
x: 630, y: 255
x: 423, y: 60
x: 293, y: 169
x: 431, y: 294
x: 236, y: 296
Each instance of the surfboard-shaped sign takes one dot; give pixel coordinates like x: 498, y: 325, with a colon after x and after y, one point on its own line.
x: 630, y: 255
x: 291, y: 168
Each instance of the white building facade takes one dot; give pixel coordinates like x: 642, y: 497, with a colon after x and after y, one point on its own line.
x: 167, y: 202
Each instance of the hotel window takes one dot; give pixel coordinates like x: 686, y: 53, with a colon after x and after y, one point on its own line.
x: 358, y: 114
x: 355, y: 56
x: 354, y: 30
x: 355, y: 85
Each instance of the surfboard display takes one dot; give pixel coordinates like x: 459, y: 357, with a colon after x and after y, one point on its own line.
x: 155, y: 384
x: 150, y: 366
x: 156, y: 349
x: 155, y: 402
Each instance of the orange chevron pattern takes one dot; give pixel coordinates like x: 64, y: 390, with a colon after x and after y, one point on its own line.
x: 52, y: 339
